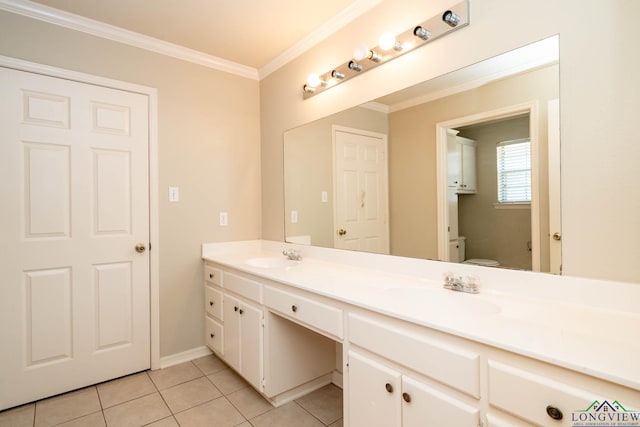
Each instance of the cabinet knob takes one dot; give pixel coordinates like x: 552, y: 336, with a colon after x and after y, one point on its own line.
x: 210, y: 275
x: 211, y: 303
x: 406, y: 397
x: 294, y: 308
x: 241, y: 311
x: 554, y: 412
x: 389, y: 387
x: 212, y: 335
x: 235, y: 308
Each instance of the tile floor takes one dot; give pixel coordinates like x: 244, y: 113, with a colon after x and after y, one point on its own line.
x: 204, y: 392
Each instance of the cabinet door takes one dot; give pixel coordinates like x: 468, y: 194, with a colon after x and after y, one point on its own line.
x: 454, y: 161
x: 468, y: 166
x: 374, y: 393
x: 231, y: 339
x: 424, y: 406
x: 251, y: 344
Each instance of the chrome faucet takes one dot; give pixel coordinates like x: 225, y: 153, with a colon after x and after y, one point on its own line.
x: 469, y: 284
x: 292, y: 254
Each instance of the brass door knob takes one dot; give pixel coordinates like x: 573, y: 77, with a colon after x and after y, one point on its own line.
x: 140, y: 248
x: 557, y: 236
x: 342, y: 232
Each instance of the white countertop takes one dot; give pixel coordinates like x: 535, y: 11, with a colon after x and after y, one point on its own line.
x: 585, y: 325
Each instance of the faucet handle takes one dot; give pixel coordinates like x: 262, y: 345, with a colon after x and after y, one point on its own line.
x: 472, y: 284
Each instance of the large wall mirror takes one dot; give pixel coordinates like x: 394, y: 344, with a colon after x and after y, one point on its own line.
x: 464, y: 168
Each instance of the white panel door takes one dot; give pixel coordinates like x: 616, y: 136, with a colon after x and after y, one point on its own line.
x: 74, y: 296
x: 361, y: 195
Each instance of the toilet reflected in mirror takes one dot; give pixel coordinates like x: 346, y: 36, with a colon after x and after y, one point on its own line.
x: 474, y: 261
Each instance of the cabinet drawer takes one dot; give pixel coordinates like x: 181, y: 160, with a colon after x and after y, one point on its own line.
x: 213, y: 302
x: 452, y: 366
x: 313, y: 313
x: 214, y: 337
x: 527, y: 395
x: 243, y: 286
x: 213, y: 275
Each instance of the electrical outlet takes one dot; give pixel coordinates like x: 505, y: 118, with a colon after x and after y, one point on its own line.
x: 224, y: 219
x: 325, y: 197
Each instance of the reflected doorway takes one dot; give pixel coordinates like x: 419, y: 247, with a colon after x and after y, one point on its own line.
x: 539, y: 213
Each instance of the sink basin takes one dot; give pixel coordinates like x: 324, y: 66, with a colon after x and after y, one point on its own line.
x: 441, y: 302
x: 271, y: 262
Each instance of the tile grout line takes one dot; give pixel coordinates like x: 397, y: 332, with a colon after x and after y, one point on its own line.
x: 101, y: 407
x: 309, y: 412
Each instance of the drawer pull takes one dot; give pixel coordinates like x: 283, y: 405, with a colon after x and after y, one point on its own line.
x: 406, y: 397
x: 554, y: 412
x: 389, y: 387
x: 213, y: 335
x: 294, y: 308
x: 210, y: 275
x: 241, y: 311
x: 211, y: 303
x: 235, y: 308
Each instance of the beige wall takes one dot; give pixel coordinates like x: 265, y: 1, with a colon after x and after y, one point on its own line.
x: 599, y: 95
x: 308, y: 153
x: 208, y: 140
x: 413, y: 165
x: 499, y: 234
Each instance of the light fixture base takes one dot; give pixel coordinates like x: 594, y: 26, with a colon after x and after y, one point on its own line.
x: 445, y: 22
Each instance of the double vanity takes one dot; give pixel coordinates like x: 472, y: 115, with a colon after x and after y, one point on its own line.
x: 528, y: 349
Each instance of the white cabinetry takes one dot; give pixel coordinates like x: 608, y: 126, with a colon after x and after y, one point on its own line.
x: 539, y: 394
x: 391, y: 394
x: 461, y: 163
x: 233, y: 324
x: 397, y: 373
x: 279, y: 358
x: 243, y: 338
x: 213, y: 309
x: 382, y: 396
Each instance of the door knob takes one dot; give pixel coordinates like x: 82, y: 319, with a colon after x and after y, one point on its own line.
x: 342, y: 232
x: 140, y: 248
x: 557, y: 236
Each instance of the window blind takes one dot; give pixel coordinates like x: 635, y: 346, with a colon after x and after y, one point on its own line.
x: 514, y: 171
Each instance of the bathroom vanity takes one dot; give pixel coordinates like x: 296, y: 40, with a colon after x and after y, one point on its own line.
x: 529, y: 349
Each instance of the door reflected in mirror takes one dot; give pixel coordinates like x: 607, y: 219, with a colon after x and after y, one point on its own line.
x: 335, y: 192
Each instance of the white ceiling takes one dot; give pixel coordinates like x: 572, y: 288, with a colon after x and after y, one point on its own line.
x: 247, y: 32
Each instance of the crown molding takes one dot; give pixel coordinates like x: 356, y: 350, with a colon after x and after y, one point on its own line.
x: 120, y: 35
x: 343, y: 18
x: 375, y: 106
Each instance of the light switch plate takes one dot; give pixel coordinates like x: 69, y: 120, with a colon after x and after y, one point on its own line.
x: 224, y: 219
x: 174, y: 194
x: 325, y: 197
x: 294, y: 217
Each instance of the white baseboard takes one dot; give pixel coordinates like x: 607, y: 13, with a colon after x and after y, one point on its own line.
x: 185, y: 356
x: 336, y: 378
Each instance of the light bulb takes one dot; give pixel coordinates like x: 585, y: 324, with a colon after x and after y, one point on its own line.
x: 387, y: 41
x: 313, y: 80
x: 361, y: 52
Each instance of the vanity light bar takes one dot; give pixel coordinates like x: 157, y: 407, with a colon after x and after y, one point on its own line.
x: 433, y: 28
